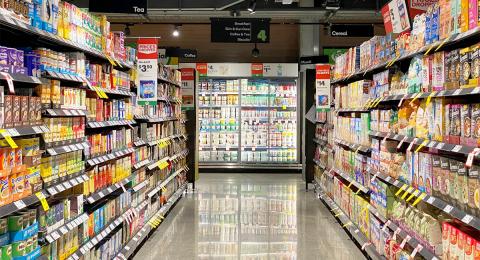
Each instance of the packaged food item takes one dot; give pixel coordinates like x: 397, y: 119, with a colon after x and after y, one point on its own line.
x: 474, y: 189
x: 475, y: 65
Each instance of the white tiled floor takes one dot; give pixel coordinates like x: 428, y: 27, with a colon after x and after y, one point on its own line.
x: 249, y: 216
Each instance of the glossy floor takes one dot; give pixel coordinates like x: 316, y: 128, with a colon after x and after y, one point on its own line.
x: 249, y: 216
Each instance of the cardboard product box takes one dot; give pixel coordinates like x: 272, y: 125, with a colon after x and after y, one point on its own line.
x: 444, y: 178
x: 466, y: 127
x: 473, y: 188
x: 24, y: 111
x: 461, y: 187
x: 16, y: 108
x: 475, y: 64
x: 455, y: 124
x: 8, y: 120
x: 453, y: 181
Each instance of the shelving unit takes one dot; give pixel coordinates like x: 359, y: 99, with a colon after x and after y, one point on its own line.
x: 248, y: 122
x: 403, y: 147
x: 87, y: 148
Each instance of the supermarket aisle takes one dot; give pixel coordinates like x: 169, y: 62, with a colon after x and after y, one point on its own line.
x: 249, y: 216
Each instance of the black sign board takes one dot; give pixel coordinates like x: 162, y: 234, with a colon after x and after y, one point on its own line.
x: 240, y: 30
x: 322, y: 59
x: 351, y: 30
x: 118, y: 6
x: 181, y: 53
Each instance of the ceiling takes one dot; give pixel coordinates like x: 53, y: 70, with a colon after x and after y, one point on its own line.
x: 197, y: 11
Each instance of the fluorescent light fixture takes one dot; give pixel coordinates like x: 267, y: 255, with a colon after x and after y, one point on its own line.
x: 251, y: 6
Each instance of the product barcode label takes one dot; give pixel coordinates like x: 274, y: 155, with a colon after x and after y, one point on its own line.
x: 467, y: 219
x: 457, y: 92
x: 74, y: 182
x: 476, y: 90
x: 67, y: 112
x: 440, y: 145
x: 52, y: 191
x: 37, y: 129
x: 55, y: 235
x: 51, y: 151
x: 448, y: 208
x: 457, y: 148
x: 431, y: 200
x: 19, y: 204
x: 67, y: 185
x: 63, y: 230
x: 67, y: 149
x: 101, y: 194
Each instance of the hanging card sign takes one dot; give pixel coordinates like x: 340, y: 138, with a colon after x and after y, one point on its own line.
x: 188, y: 88
x: 257, y: 69
x: 322, y: 85
x: 202, y: 69
x: 147, y: 67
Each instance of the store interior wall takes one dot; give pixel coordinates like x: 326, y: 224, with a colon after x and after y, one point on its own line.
x: 283, y: 46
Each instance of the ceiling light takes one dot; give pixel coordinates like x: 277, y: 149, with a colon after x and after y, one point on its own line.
x: 176, y: 32
x: 332, y: 5
x: 251, y: 6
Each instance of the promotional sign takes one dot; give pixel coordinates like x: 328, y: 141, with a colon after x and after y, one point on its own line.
x: 395, y: 17
x: 416, y: 7
x: 240, y: 30
x: 322, y: 87
x: 118, y: 6
x: 147, y: 67
x: 202, y: 69
x: 188, y: 88
x: 257, y: 69
x: 351, y: 30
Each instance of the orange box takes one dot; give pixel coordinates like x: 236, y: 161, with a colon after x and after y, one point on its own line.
x: 464, y: 16
x: 469, y: 248
x: 5, y: 189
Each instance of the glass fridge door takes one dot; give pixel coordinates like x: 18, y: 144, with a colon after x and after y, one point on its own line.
x: 283, y: 122
x: 254, y: 117
x: 219, y: 120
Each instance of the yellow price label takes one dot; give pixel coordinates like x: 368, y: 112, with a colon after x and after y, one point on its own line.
x: 443, y: 43
x: 420, y: 198
x: 414, y: 194
x: 111, y: 60
x: 401, y: 189
x: 8, y: 138
x: 425, y: 142
x: 429, y: 49
x: 339, y: 214
x: 409, y: 190
x: 378, y: 102
x: 161, y: 217
x: 415, y: 98
x: 164, y: 189
x: 430, y: 97
x: 358, y: 191
x: 350, y: 185
x: 43, y: 201
x: 284, y: 107
x: 104, y: 95
x: 364, y: 209
x: 348, y: 224
x: 151, y: 224
x: 367, y: 103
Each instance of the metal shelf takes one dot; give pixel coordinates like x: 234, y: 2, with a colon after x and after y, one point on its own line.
x: 14, y: 24
x: 440, y: 146
x: 110, y: 123
x: 108, y: 157
x: 164, y: 183
x: 452, y: 40
x: 136, y: 240
x: 353, y: 147
x: 65, y: 228
x: 352, y: 181
x: 27, y: 130
x: 438, y: 203
x: 16, y: 77
x: 350, y: 227
x: 64, y: 77
x: 140, y: 164
x: 62, y: 112
x: 176, y: 84
x: 67, y: 148
x: 67, y: 182
x: 96, y: 196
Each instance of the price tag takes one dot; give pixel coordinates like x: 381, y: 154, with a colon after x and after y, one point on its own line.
x: 89, y: 244
x: 401, y: 142
x: 55, y: 235
x: 385, y: 226
x: 91, y: 200
x: 414, y: 194
x: 431, y: 200
x: 416, y: 250
x: 411, y: 144
x: 67, y: 185
x: 404, y: 186
x: 8, y: 138
x: 420, y: 198
x: 407, y: 238
x: 19, y: 204
x: 440, y: 146
x: 74, y: 182
x: 467, y: 219
x: 448, y: 209
x: 457, y: 92
x: 52, y: 191
x: 409, y: 190
x: 83, y: 250
x: 63, y: 230
x: 95, y: 240
x: 67, y: 149
x: 101, y: 194
x: 37, y: 130
x: 123, y: 187
x: 476, y: 90
x: 457, y: 148
x: 70, y: 226
x: 43, y: 200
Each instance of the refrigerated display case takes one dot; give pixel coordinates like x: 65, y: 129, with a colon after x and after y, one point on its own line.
x: 248, y: 121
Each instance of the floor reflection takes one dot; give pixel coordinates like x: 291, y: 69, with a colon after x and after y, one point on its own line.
x: 247, y: 221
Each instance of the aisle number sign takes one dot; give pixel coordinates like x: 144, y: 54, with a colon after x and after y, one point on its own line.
x: 147, y: 67
x: 322, y: 87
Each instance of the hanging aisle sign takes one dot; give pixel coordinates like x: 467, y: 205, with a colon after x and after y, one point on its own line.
x: 322, y: 87
x: 147, y: 67
x: 240, y: 30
